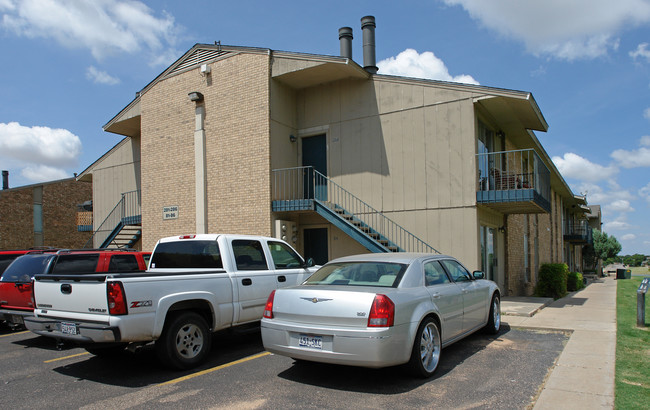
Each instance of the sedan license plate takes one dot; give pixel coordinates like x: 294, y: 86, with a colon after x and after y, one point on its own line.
x: 311, y: 341
x: 69, y: 328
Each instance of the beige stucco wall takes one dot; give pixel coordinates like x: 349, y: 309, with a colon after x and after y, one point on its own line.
x: 236, y: 101
x: 406, y: 149
x: 114, y: 174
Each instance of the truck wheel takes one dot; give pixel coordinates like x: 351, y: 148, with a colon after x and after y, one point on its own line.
x: 185, y: 341
x: 426, y: 349
x: 106, y: 351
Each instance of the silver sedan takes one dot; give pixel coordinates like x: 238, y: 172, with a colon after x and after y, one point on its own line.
x: 379, y: 310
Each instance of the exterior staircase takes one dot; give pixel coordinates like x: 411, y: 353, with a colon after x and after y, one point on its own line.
x: 305, y: 189
x: 122, y: 228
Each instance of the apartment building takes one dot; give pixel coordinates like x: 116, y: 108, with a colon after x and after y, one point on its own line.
x: 339, y: 159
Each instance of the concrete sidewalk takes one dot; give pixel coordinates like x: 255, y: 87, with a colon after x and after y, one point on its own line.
x: 583, y: 377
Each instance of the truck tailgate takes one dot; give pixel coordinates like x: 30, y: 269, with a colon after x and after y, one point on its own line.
x: 79, y: 294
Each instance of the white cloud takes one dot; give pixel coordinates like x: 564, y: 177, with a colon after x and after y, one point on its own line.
x: 616, y: 225
x: 628, y: 237
x: 101, y: 77
x: 562, y: 29
x: 619, y: 205
x: 645, y: 192
x: 409, y: 63
x: 595, y: 194
x: 43, y: 173
x: 577, y: 167
x: 104, y: 27
x: 635, y: 158
x: 641, y: 52
x: 40, y: 152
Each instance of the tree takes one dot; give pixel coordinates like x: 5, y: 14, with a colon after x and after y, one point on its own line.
x: 633, y: 260
x: 605, y: 246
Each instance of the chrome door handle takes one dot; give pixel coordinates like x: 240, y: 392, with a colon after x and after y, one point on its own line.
x: 436, y: 295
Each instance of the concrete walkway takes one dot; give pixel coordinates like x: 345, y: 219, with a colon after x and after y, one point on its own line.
x: 583, y: 377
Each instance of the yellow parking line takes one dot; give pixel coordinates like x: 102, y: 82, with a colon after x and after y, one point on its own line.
x: 202, y: 372
x: 17, y: 333
x: 66, y: 357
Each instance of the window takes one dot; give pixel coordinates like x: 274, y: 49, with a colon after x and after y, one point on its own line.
x: 381, y: 274
x: 434, y: 274
x: 123, y: 263
x: 190, y: 254
x: 25, y: 267
x: 249, y: 254
x: 457, y: 272
x: 283, y: 256
x: 73, y: 264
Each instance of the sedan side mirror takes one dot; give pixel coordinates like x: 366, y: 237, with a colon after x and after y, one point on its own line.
x: 477, y: 274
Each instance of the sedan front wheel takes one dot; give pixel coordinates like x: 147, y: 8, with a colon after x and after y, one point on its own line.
x: 426, y: 349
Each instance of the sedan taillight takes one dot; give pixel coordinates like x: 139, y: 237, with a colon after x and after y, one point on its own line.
x: 268, y: 309
x: 382, y: 312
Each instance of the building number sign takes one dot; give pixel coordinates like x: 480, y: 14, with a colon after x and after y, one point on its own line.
x: 170, y: 212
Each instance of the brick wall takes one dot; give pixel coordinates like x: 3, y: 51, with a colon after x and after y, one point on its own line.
x: 236, y: 101
x: 60, y: 199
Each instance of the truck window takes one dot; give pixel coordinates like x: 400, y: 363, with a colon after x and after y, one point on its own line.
x: 283, y: 256
x: 189, y: 254
x: 123, y: 263
x: 249, y: 254
x: 76, y: 263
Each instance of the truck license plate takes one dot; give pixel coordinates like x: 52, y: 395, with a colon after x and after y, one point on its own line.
x: 18, y: 320
x: 68, y: 328
x: 311, y: 341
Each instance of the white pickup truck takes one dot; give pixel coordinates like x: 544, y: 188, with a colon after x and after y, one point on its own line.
x: 195, y: 285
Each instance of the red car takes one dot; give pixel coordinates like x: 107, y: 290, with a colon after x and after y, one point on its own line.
x: 16, y: 282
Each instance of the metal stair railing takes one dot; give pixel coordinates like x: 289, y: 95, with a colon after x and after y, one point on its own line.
x: 295, y: 188
x: 127, y: 211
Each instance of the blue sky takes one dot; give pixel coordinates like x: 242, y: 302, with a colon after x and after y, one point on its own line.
x: 70, y: 66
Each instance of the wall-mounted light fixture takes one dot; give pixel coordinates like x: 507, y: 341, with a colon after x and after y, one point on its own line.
x: 292, y: 138
x: 502, y: 229
x: 501, y: 134
x: 195, y: 96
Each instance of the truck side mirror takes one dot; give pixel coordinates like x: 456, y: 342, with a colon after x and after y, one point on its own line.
x: 309, y: 263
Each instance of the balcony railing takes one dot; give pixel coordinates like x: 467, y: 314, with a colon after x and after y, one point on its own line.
x: 126, y: 212
x: 514, y: 182
x: 578, y: 233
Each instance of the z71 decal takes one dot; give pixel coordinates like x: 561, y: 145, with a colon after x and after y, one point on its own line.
x: 141, y: 303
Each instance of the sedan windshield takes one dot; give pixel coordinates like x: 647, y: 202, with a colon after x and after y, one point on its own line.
x: 359, y: 274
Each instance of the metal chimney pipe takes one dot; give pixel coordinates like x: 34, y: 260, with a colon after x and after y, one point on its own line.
x: 368, y: 28
x: 5, y: 179
x: 345, y: 38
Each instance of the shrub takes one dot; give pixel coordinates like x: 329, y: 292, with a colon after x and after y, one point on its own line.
x: 552, y: 280
x: 574, y: 281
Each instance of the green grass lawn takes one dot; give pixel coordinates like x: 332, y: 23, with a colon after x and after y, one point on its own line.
x: 632, y: 348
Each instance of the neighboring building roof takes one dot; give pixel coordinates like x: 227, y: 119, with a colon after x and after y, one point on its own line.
x: 37, y: 184
x: 595, y: 211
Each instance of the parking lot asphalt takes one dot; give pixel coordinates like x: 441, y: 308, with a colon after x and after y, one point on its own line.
x: 503, y: 371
